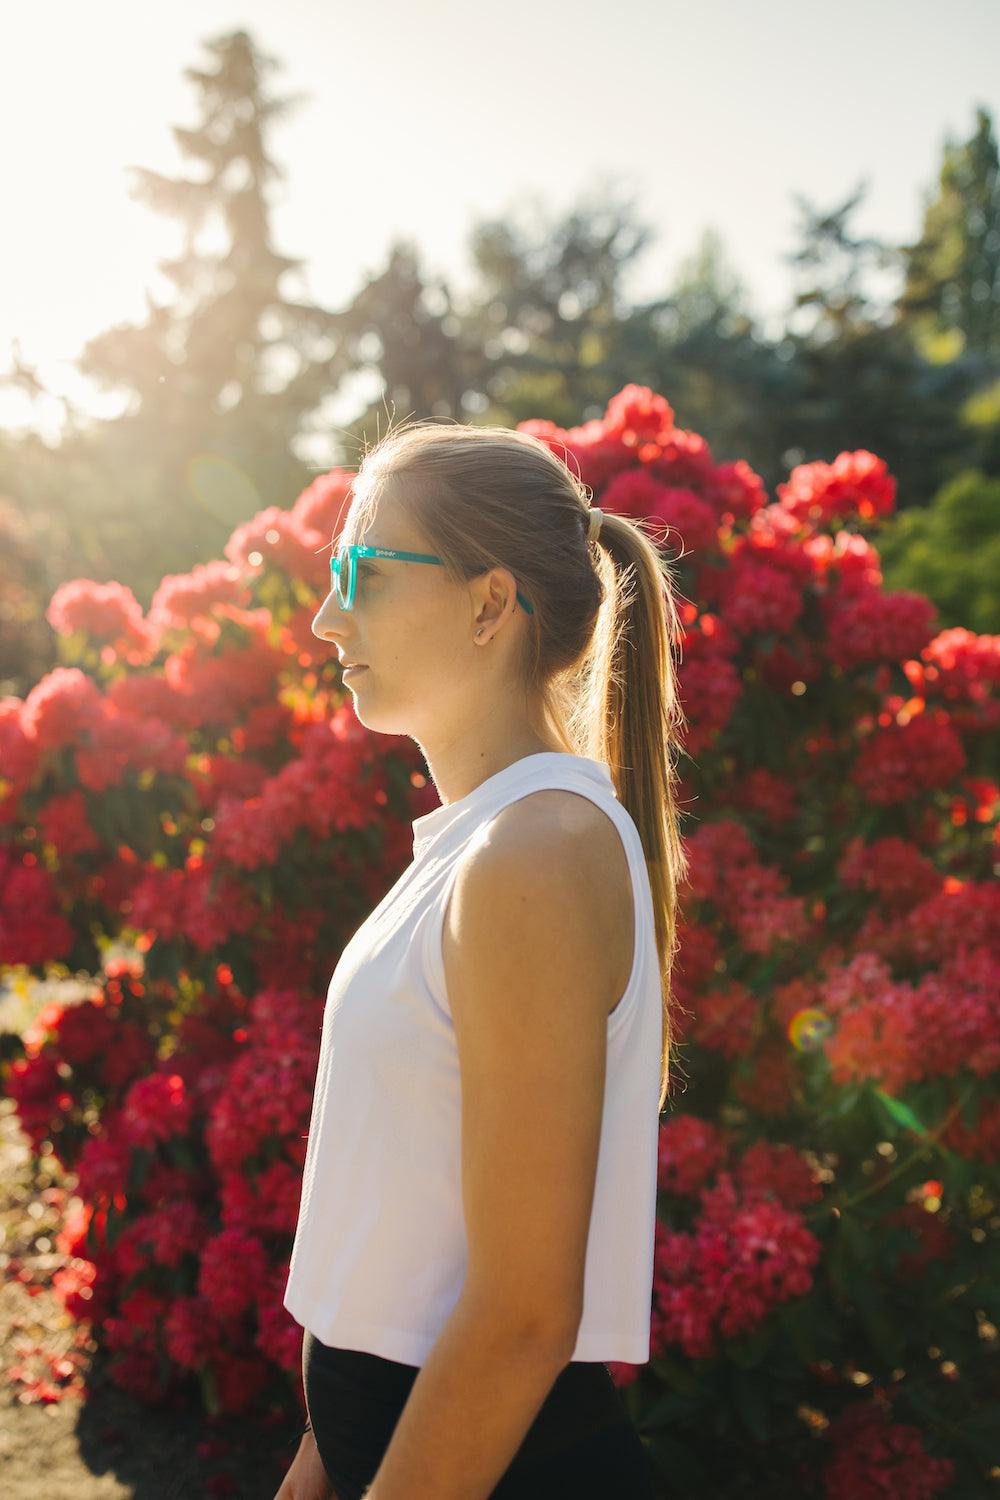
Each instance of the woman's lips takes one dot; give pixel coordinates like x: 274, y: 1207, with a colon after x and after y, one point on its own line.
x: 354, y: 671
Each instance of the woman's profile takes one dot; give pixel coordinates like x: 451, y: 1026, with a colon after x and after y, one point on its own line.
x: 474, y: 1243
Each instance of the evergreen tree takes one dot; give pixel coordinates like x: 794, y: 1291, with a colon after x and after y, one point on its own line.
x: 833, y: 267
x: 400, y: 338
x: 862, y: 382
x: 548, y: 305
x: 532, y: 336
x: 709, y: 293
x: 221, y: 379
x: 951, y: 297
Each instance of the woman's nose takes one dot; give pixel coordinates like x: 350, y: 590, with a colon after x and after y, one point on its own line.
x: 327, y: 622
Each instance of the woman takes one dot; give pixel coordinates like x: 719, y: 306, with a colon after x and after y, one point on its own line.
x: 475, y: 1235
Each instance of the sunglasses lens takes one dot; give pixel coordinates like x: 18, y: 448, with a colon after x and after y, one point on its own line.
x: 344, y: 575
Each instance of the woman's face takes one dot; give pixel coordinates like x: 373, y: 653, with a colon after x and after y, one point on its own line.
x: 413, y: 628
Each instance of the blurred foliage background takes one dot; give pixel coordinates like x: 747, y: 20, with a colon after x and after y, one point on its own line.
x: 224, y: 380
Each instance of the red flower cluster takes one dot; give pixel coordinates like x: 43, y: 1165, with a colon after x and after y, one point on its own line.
x: 155, y: 1109
x: 690, y: 1152
x: 874, y: 1457
x: 105, y: 612
x: 857, y: 484
x: 209, y: 796
x: 746, y: 1255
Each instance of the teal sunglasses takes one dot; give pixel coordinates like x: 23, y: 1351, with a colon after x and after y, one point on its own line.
x: 344, y: 570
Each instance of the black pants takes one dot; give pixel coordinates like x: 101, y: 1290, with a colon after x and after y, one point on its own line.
x: 582, y: 1442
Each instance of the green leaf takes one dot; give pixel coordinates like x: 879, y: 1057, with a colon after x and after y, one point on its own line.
x: 971, y: 1105
x: 138, y: 1169
x: 796, y: 1320
x: 886, y: 1340
x: 675, y: 1374
x: 669, y: 1410
x: 751, y: 1403
x: 847, y: 1101
x: 749, y: 1351
x: 678, y: 1469
x: 900, y: 1112
x: 113, y: 1226
x: 856, y: 1235
x: 209, y: 1391
x: 986, y: 1294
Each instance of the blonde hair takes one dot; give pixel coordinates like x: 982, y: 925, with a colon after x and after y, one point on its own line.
x: 599, y: 657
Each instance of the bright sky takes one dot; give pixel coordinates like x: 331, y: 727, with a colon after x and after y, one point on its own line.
x: 422, y: 118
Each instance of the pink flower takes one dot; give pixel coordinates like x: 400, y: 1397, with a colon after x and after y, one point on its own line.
x: 744, y: 1257
x: 61, y: 708
x: 155, y: 1109
x: 901, y: 761
x: 690, y: 1151
x: 190, y: 1332
x: 855, y: 484
x: 233, y: 1264
x: 183, y: 597
x: 874, y: 1457
x: 102, y: 611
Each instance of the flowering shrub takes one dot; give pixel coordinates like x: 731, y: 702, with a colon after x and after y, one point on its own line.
x: 194, y: 781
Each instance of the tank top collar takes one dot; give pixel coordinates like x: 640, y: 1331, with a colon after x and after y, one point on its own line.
x: 431, y: 824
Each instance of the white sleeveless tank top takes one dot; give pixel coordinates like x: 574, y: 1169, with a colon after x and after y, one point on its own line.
x: 380, y: 1251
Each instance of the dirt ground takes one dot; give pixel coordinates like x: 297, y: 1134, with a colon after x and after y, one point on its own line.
x: 68, y: 1433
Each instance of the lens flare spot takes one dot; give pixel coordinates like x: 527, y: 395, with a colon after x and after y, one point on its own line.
x: 808, y: 1029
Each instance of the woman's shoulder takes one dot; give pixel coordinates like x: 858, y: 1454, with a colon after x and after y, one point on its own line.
x: 577, y: 821
x: 553, y: 855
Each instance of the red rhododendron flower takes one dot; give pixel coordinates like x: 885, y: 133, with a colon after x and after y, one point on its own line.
x: 191, y: 1332
x: 756, y: 597
x: 32, y: 929
x: 743, y: 1259
x: 767, y: 1087
x: 894, y: 870
x: 278, y: 538
x: 131, y: 1050
x: 155, y: 1109
x: 182, y: 598
x: 874, y: 1457
x: 979, y: 1141
x: 590, y: 453
x: 65, y: 822
x: 690, y: 1152
x: 773, y: 1169
x: 278, y: 1336
x: 323, y: 504
x: 233, y: 1264
x: 19, y: 749
x: 32, y: 1082
x: 104, y: 611
x: 902, y: 760
x: 116, y: 743
x: 869, y: 626
x: 163, y: 1235
x: 61, y: 707
x: 102, y: 1168
x: 856, y: 484
x: 85, y: 1031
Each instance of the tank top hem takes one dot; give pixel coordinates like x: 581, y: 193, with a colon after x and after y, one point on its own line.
x: 409, y: 1348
